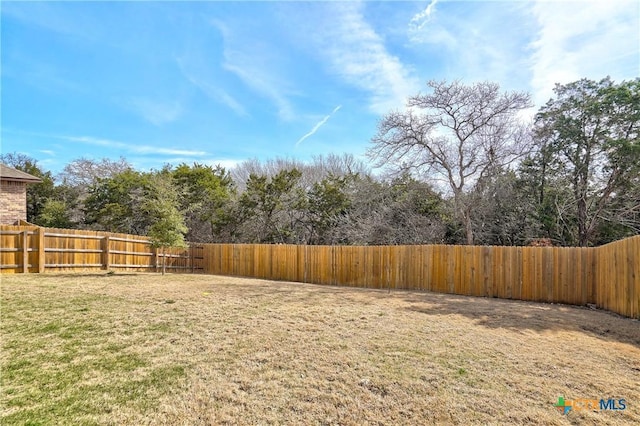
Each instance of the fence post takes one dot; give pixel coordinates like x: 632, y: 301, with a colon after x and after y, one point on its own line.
x: 192, y: 250
x: 25, y: 252
x: 106, y: 255
x: 41, y: 252
x: 154, y: 258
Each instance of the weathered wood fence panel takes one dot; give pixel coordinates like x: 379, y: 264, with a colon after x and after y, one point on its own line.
x: 19, y: 248
x: 618, y: 277
x: 607, y: 276
x: 35, y: 249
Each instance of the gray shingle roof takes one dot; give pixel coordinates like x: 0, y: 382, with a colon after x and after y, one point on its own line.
x: 8, y: 173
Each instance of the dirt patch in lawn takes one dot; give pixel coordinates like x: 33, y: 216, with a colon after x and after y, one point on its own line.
x: 194, y: 349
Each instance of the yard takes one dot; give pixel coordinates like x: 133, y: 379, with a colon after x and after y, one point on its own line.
x: 195, y: 349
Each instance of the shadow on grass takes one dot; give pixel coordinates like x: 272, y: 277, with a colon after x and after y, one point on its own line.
x: 520, y: 315
x: 516, y: 315
x: 488, y: 312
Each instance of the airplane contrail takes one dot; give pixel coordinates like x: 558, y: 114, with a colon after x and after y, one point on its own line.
x: 318, y: 125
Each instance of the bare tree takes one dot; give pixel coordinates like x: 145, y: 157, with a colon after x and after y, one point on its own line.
x: 313, y: 171
x: 84, y: 172
x: 80, y: 174
x: 269, y: 168
x: 339, y: 165
x: 456, y: 134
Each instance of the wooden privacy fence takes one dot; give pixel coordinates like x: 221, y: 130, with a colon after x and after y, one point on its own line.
x: 26, y: 249
x: 607, y: 276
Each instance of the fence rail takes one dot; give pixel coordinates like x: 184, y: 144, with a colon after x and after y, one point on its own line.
x: 607, y: 276
x: 26, y: 249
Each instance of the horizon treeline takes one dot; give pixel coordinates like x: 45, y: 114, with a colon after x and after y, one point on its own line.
x: 459, y: 167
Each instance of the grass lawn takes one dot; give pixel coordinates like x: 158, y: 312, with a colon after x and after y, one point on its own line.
x: 199, y: 350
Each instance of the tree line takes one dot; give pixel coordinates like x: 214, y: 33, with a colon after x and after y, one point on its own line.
x: 460, y: 165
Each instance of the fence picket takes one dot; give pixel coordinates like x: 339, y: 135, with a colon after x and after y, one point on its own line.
x: 36, y: 249
x: 608, y: 276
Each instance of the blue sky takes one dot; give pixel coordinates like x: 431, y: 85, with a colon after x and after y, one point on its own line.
x: 221, y: 82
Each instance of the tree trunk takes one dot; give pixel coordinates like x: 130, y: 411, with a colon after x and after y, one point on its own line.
x: 468, y: 227
x: 583, y: 235
x: 463, y: 212
x: 581, y: 206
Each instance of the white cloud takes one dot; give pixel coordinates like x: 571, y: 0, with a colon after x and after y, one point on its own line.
x: 446, y: 32
x: 256, y: 64
x: 421, y: 19
x: 227, y: 163
x: 203, y: 82
x: 549, y: 42
x: 133, y: 148
x: 252, y: 76
x: 318, y: 125
x: 474, y: 42
x: 354, y: 51
x: 423, y: 28
x: 221, y: 96
x: 590, y: 39
x: 145, y: 162
x: 230, y: 101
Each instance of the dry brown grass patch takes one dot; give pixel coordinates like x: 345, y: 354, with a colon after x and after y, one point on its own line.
x: 182, y: 349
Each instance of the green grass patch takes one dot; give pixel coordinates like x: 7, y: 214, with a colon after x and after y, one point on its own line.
x: 72, y: 360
